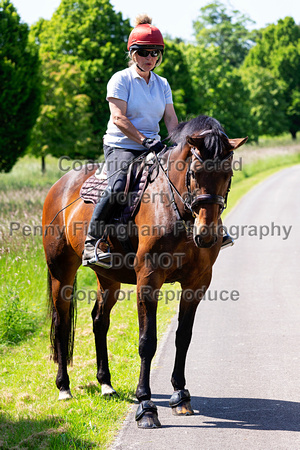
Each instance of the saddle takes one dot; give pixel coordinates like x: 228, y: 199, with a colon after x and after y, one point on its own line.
x: 138, y: 177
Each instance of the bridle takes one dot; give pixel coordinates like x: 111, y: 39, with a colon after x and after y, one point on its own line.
x: 190, y: 201
x: 201, y: 199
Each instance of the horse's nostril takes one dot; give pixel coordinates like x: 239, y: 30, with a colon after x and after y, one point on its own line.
x: 198, y: 240
x: 201, y: 243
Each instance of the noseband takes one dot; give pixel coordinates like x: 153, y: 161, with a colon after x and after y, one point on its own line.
x: 211, y: 199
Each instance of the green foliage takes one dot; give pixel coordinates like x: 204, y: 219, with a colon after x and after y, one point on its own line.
x: 267, y: 100
x: 177, y: 71
x: 220, y: 92
x: 16, y: 321
x: 20, y: 86
x: 84, y: 44
x: 225, y: 29
x: 63, y: 126
x: 276, y: 57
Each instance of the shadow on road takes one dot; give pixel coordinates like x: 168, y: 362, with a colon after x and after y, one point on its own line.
x: 245, y: 413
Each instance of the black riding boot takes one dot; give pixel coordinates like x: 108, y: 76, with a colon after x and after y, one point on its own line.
x: 103, y: 212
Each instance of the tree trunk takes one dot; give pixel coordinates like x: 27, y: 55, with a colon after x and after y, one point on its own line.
x: 43, y: 164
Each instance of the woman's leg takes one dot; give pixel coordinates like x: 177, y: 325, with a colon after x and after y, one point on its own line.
x: 117, y: 163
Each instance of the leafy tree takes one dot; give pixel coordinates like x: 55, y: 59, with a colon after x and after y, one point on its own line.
x: 175, y: 68
x: 20, y: 86
x: 267, y: 99
x: 278, y: 54
x: 226, y: 30
x: 63, y: 126
x: 220, y: 92
x: 90, y: 36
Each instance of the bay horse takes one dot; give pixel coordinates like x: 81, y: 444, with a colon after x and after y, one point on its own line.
x: 195, y: 175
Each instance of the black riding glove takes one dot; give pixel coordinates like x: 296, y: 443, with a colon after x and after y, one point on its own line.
x: 153, y: 145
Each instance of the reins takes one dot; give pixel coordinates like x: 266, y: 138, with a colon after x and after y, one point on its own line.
x: 172, y: 185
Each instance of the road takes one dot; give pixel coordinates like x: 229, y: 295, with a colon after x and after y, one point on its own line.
x: 243, y: 363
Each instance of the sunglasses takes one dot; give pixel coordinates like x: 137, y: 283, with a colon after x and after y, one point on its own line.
x: 145, y: 53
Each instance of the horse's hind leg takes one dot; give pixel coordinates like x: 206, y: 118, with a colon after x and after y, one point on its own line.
x: 106, y: 299
x: 61, y: 284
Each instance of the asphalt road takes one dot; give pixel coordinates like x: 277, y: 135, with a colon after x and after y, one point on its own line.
x: 243, y: 363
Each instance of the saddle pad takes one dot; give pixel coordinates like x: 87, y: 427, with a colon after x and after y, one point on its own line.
x: 92, y: 189
x: 94, y: 186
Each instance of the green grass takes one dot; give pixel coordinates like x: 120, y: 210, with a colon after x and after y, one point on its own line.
x: 31, y: 412
x: 283, y: 140
x: 30, y: 415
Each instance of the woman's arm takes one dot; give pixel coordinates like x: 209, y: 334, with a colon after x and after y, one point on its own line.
x: 118, y: 110
x: 170, y: 117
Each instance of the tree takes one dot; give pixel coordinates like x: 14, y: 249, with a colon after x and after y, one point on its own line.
x: 175, y: 68
x: 220, y: 92
x: 20, y: 86
x: 91, y: 37
x: 63, y: 126
x: 267, y: 100
x: 277, y: 54
x: 226, y: 30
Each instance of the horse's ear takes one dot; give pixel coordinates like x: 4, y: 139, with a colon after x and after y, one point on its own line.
x: 236, y: 143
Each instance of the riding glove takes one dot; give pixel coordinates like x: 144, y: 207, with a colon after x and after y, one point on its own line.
x: 153, y: 145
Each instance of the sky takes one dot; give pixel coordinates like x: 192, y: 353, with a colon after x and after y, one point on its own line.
x: 172, y: 17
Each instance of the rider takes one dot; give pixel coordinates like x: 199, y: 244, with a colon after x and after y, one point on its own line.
x: 138, y: 99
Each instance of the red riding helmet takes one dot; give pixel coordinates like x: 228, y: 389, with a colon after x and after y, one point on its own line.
x: 145, y: 35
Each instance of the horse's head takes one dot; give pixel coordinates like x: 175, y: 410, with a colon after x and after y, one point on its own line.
x: 209, y: 152
x: 208, y: 180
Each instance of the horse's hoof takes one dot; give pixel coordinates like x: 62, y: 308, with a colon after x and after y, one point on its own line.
x: 184, y: 409
x: 149, y: 420
x: 65, y: 395
x: 107, y: 390
x: 181, y: 403
x: 146, y: 415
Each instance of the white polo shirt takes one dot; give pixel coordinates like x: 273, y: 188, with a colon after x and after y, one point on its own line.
x: 146, y: 105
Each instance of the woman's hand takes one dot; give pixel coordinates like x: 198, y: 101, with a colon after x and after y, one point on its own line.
x: 153, y: 145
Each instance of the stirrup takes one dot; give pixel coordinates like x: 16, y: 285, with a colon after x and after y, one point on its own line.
x: 101, y: 260
x: 227, y: 241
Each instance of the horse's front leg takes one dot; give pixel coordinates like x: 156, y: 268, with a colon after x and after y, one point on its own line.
x: 181, y: 400
x: 148, y: 285
x: 106, y: 299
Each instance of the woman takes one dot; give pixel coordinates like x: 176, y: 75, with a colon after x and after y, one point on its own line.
x: 138, y: 100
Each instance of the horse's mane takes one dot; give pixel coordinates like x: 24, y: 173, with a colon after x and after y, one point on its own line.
x: 213, y: 142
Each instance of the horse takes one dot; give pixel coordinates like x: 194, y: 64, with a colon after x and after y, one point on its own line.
x: 194, y: 174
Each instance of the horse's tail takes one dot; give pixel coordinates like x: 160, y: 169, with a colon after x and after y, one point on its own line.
x: 55, y: 321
